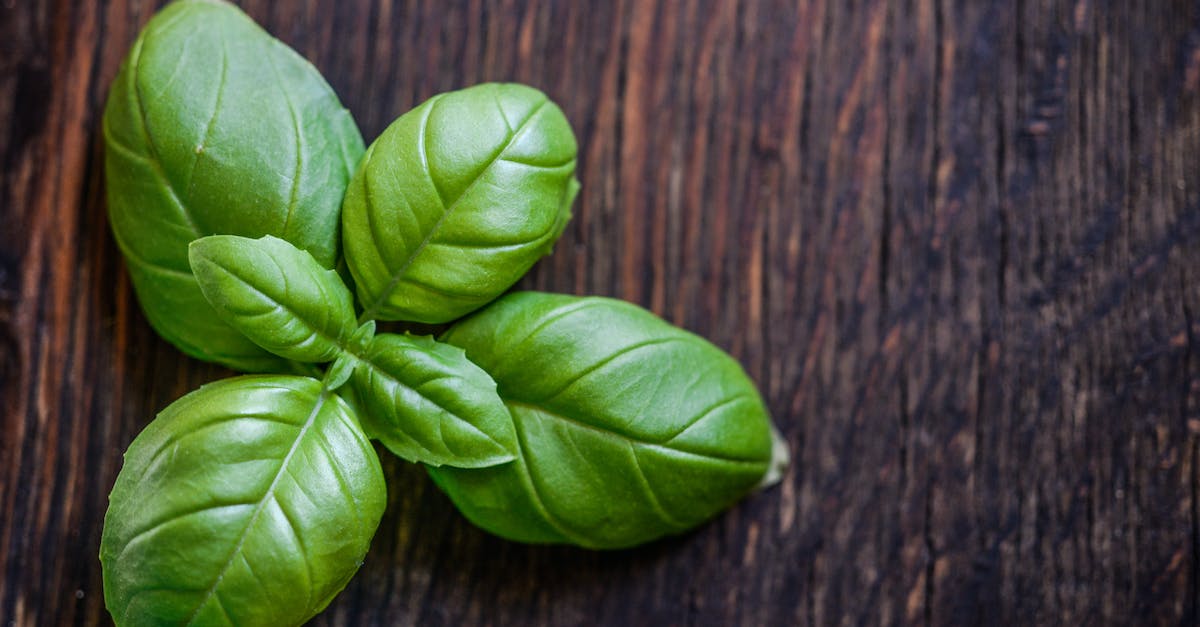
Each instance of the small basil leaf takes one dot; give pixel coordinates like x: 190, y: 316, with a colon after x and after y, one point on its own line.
x: 212, y: 126
x: 628, y: 428
x: 428, y: 403
x: 275, y: 294
x: 456, y: 200
x: 250, y: 501
x: 362, y: 337
x: 340, y: 370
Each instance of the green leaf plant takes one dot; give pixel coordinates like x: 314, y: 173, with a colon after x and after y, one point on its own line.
x: 250, y: 501
x: 213, y: 126
x: 233, y: 188
x: 628, y: 428
x: 457, y: 200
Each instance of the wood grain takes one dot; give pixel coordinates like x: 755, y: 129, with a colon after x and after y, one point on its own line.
x: 957, y: 244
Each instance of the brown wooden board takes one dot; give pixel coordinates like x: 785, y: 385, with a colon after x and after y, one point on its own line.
x: 957, y: 243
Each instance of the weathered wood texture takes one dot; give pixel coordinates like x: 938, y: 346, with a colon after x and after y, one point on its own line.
x: 957, y: 243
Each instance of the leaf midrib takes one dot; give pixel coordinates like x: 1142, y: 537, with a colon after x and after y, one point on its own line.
x: 267, y: 495
x: 378, y: 370
x: 315, y: 329
x: 398, y: 276
x: 625, y: 438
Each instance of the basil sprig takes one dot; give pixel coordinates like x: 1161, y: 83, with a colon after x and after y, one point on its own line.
x: 235, y: 181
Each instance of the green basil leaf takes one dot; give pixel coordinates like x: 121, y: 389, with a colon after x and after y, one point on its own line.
x: 250, y: 501
x: 214, y: 127
x: 456, y: 200
x: 275, y: 294
x: 628, y: 428
x: 362, y: 337
x: 340, y: 370
x: 428, y: 403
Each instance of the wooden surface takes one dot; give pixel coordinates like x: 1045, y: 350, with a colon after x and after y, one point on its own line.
x: 957, y: 243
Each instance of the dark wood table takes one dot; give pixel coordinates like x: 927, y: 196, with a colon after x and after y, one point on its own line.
x: 956, y: 243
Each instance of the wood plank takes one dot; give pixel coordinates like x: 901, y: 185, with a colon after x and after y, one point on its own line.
x: 957, y: 244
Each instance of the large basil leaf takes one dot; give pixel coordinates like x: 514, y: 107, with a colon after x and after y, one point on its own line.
x: 213, y: 126
x: 250, y: 501
x: 427, y: 403
x: 456, y: 200
x: 628, y: 428
x: 275, y: 294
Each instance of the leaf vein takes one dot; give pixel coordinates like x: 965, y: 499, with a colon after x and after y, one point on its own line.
x: 293, y: 195
x: 153, y: 156
x: 173, y: 517
x: 397, y: 383
x: 704, y: 414
x: 535, y: 492
x: 268, y: 495
x: 291, y: 525
x: 326, y: 446
x: 540, y: 166
x: 622, y: 437
x: 655, y: 504
x: 447, y: 209
x: 604, y: 362
x: 208, y: 127
x: 176, y: 439
x: 314, y: 330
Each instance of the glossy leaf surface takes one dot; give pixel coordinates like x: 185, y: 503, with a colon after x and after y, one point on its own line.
x: 214, y: 127
x: 428, y: 403
x: 275, y: 294
x: 250, y: 501
x: 456, y: 200
x: 628, y: 428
